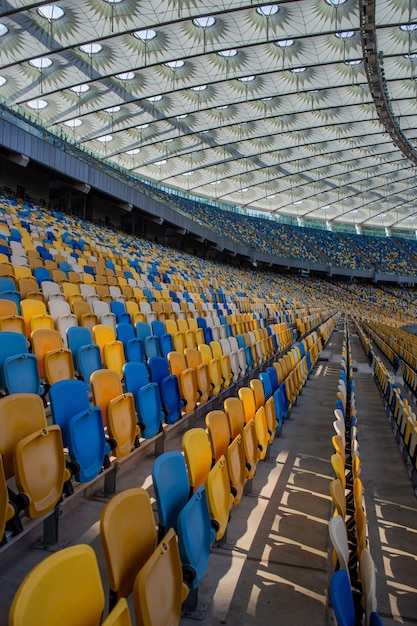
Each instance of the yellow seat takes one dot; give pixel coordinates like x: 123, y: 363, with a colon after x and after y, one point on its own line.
x: 65, y: 588
x: 7, y: 511
x: 58, y: 365
x: 159, y: 590
x: 224, y: 360
x: 338, y: 465
x: 29, y: 288
x: 214, y: 368
x: 122, y: 424
x: 44, y: 340
x: 128, y: 535
x: 35, y: 314
x: 247, y: 398
x: 85, y: 317
x: 236, y: 466
x: 102, y: 334
x: 114, y: 356
x: 119, y: 615
x: 257, y: 388
x: 233, y: 408
x: 219, y: 495
x: 193, y: 359
x: 39, y: 469
x: 250, y: 445
x: 105, y: 386
x: 219, y: 433
x: 262, y: 433
x: 198, y: 456
x: 186, y: 379
x: 271, y: 418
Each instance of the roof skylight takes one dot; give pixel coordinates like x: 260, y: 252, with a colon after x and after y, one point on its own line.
x: 126, y: 76
x: 38, y: 104
x: 91, y: 48
x: 3, y: 29
x: 204, y: 22
x: 80, y: 88
x: 284, y: 43
x: 267, y: 10
x: 174, y: 65
x: 145, y: 35
x: 73, y: 123
x: 41, y: 63
x: 50, y: 12
x: 227, y: 53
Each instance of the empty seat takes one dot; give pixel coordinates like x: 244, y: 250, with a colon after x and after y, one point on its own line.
x: 171, y: 487
x: 128, y: 535
x: 40, y: 600
x: 105, y: 385
x: 219, y: 495
x: 160, y: 577
x: 122, y: 425
x: 198, y: 456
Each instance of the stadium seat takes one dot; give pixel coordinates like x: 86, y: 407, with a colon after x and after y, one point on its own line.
x: 105, y: 385
x: 237, y: 468
x: 7, y: 510
x: 219, y: 433
x: 171, y: 488
x: 40, y: 600
x: 122, y: 425
x: 368, y: 579
x: 186, y: 380
x: 342, y: 599
x: 198, y: 456
x: 128, y: 535
x: 160, y: 577
x: 114, y: 356
x: 233, y: 408
x: 168, y: 387
x: 119, y: 615
x: 196, y: 534
x: 150, y: 410
x: 21, y: 374
x: 44, y: 340
x: 219, y: 496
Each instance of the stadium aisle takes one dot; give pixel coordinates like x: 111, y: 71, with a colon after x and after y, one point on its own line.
x: 391, y: 505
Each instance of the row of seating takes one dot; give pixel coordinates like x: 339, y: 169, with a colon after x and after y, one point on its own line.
x: 402, y: 416
x: 194, y: 492
x: 152, y: 572
x: 353, y: 584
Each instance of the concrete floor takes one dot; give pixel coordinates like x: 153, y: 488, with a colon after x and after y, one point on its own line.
x: 275, y: 564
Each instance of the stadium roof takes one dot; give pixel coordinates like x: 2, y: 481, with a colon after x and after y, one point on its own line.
x: 302, y: 108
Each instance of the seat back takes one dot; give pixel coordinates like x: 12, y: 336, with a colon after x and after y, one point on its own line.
x: 338, y: 497
x: 58, y: 365
x: 257, y: 388
x: 39, y: 599
x: 44, y: 340
x: 128, y: 535
x: 20, y: 415
x: 171, y: 487
x: 39, y: 468
x: 342, y: 599
x: 235, y: 414
x: 195, y: 536
x: 114, y: 357
x: 78, y: 336
x: 219, y: 495
x: 368, y: 579
x: 198, y: 456
x: 88, y: 361
x: 247, y: 398
x: 119, y: 615
x: 219, y: 433
x: 67, y: 398
x: 159, y: 590
x: 338, y: 537
x: 262, y: 433
x: 102, y: 334
x: 236, y: 467
x: 150, y: 410
x: 250, y: 445
x: 105, y: 385
x: 122, y: 425
x: 87, y: 444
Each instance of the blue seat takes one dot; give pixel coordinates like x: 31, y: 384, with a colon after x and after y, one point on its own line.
x: 151, y: 346
x: 134, y: 350
x: 142, y: 330
x: 166, y: 343
x: 13, y: 295
x: 281, y: 404
x: 88, y: 361
x: 21, y: 374
x: 265, y: 378
x: 87, y: 444
x: 81, y: 427
x: 6, y: 284
x: 171, y: 487
x: 135, y: 375
x: 150, y: 410
x: 41, y: 274
x: 78, y: 336
x: 124, y: 332
x: 342, y: 599
x: 375, y: 619
x: 195, y: 538
x: 158, y: 328
x: 273, y: 376
x: 11, y: 344
x: 168, y: 388
x: 119, y: 310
